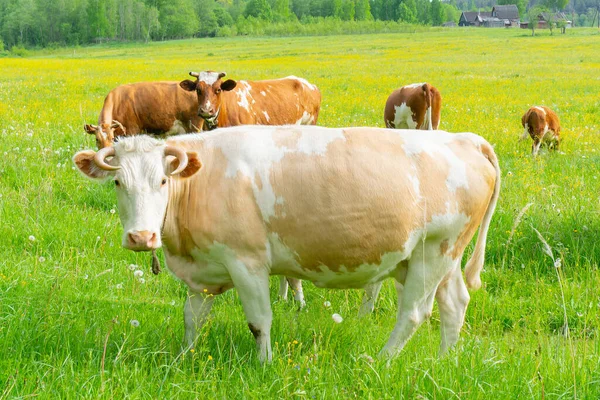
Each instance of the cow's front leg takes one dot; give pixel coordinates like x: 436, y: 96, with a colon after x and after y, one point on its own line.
x: 195, y: 311
x: 252, y: 285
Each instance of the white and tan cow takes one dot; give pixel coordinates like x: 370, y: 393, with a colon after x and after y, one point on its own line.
x: 543, y: 125
x: 284, y: 101
x: 415, y: 106
x: 145, y: 107
x: 344, y: 208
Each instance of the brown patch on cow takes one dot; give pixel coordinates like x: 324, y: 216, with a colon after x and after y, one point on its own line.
x: 418, y: 99
x: 209, y: 207
x: 535, y: 121
x: 444, y: 247
x: 193, y: 165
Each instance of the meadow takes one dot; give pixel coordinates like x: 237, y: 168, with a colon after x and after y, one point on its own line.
x: 76, y: 321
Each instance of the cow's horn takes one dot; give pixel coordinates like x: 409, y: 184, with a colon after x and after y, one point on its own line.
x: 222, y: 74
x: 180, y: 155
x: 196, y: 74
x: 100, y: 157
x: 117, y: 124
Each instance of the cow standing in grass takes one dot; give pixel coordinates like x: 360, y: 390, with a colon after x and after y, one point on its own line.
x: 282, y: 101
x: 343, y: 208
x: 416, y: 106
x: 145, y: 107
x: 543, y: 125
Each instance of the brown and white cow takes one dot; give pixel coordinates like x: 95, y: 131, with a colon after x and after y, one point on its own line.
x: 543, y: 125
x: 416, y: 106
x: 344, y: 208
x: 284, y: 101
x: 146, y: 107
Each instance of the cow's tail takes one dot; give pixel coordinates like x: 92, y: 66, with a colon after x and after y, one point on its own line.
x: 475, y: 263
x: 427, y: 93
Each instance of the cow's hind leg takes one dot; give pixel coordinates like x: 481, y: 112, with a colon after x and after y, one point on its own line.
x: 297, y: 292
x: 195, y: 311
x: 452, y: 298
x: 369, y: 298
x: 426, y: 269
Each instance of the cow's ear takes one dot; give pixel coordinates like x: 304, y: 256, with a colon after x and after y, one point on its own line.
x: 91, y: 129
x: 228, y: 85
x: 188, y: 85
x: 191, y: 168
x: 84, y: 161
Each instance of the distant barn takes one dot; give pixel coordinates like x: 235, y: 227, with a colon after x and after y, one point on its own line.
x: 501, y: 16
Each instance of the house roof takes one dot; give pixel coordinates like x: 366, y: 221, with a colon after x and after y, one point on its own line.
x: 471, y: 16
x: 558, y: 16
x: 508, y: 11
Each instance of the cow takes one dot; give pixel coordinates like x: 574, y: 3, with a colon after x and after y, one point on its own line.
x: 284, y: 101
x: 341, y: 207
x: 416, y: 106
x: 145, y: 107
x: 543, y: 125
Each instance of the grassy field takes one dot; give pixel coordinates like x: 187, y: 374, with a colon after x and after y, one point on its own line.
x: 68, y: 296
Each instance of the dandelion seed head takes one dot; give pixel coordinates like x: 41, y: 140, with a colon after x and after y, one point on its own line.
x: 31, y: 238
x: 142, y: 280
x: 41, y: 259
x: 132, y: 267
x: 119, y: 286
x: 337, y: 318
x: 138, y: 273
x: 135, y: 323
x: 112, y: 211
x: 327, y: 304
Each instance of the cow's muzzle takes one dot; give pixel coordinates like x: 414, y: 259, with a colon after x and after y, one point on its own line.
x: 141, y: 241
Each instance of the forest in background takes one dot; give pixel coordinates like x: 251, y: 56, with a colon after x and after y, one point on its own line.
x: 43, y: 23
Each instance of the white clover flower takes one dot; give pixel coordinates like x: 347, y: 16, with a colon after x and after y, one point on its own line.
x: 138, y: 273
x: 326, y: 304
x: 337, y: 318
x: 31, y: 238
x: 119, y: 286
x: 135, y: 323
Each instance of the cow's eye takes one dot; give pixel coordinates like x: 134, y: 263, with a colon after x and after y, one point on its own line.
x: 164, y: 181
x: 217, y: 91
x: 117, y: 183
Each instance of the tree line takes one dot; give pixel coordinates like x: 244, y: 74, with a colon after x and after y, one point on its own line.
x: 42, y: 23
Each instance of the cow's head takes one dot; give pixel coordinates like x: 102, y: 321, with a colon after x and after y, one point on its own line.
x: 141, y: 169
x: 209, y: 86
x: 105, y: 133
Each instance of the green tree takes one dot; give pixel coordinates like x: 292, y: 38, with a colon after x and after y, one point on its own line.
x: 532, y: 16
x: 348, y: 10
x: 363, y: 10
x: 407, y: 11
x: 259, y: 9
x: 178, y: 19
x: 437, y: 13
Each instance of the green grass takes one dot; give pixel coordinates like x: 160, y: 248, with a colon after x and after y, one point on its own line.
x: 61, y: 293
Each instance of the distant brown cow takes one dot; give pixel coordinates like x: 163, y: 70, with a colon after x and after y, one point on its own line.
x: 543, y: 125
x: 146, y: 107
x: 416, y: 106
x: 284, y: 101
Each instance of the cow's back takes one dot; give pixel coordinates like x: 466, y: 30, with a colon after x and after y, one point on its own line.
x: 282, y: 101
x: 309, y: 198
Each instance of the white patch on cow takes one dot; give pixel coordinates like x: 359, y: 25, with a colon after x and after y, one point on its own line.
x: 540, y: 109
x: 414, y: 85
x: 252, y: 151
x: 403, y: 117
x: 208, y: 77
x: 525, y: 134
x: 303, y: 81
x: 266, y: 116
x: 207, y: 267
x: 435, y: 143
x: 243, y: 94
x: 414, y: 179
x: 306, y: 119
x: 177, y: 128
x: 263, y: 93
